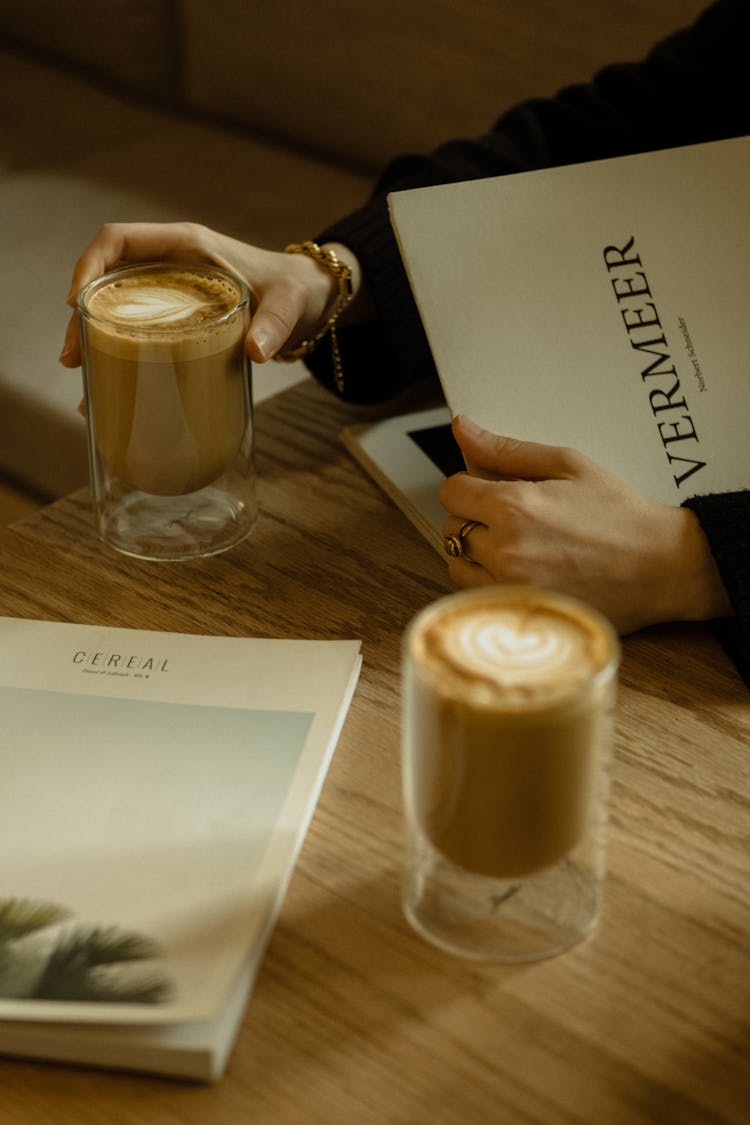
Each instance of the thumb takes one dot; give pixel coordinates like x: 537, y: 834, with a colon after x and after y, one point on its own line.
x: 275, y: 319
x: 486, y: 452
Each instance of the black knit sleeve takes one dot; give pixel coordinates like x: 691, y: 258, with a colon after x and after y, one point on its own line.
x: 725, y: 520
x: 692, y: 87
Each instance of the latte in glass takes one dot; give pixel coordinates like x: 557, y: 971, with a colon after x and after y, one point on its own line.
x: 169, y: 409
x: 166, y: 370
x: 506, y: 700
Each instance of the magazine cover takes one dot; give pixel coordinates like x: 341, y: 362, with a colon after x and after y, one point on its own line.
x: 157, y: 789
x: 601, y: 306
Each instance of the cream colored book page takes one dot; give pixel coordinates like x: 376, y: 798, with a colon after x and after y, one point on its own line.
x: 599, y: 305
x: 159, y: 786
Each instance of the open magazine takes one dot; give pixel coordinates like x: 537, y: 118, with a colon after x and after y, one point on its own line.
x: 600, y: 305
x: 157, y: 788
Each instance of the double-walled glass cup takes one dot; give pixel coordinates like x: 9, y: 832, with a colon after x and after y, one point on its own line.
x: 167, y: 386
x: 508, y: 701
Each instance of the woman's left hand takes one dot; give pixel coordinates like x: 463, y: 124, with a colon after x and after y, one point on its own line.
x: 553, y: 518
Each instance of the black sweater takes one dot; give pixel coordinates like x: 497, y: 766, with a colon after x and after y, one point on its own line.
x: 692, y: 87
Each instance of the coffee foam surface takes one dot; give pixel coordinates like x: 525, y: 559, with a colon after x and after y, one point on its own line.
x: 165, y: 315
x: 172, y: 298
x: 512, y: 651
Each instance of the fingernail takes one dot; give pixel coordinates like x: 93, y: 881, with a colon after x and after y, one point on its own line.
x: 468, y: 425
x: 261, y: 343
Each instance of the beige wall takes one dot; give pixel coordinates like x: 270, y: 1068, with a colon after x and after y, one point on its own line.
x: 367, y: 80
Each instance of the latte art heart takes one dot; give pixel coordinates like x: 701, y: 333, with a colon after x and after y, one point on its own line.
x: 511, y: 646
x: 492, y: 646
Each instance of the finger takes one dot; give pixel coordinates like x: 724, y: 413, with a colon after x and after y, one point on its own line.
x: 118, y: 243
x: 469, y: 574
x: 487, y: 501
x: 70, y: 354
x: 105, y: 251
x: 472, y: 538
x: 279, y: 311
x: 478, y: 470
x: 510, y: 457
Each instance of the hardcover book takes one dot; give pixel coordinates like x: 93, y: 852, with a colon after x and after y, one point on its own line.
x: 157, y: 788
x: 599, y: 305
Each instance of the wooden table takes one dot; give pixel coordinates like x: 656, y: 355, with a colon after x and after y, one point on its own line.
x: 354, y: 1020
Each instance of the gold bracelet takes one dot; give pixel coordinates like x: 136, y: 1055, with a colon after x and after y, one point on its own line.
x: 343, y: 275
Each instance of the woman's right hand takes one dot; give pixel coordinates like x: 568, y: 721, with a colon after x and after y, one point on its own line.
x: 290, y: 294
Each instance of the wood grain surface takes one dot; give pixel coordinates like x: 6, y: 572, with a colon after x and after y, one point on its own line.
x: 354, y: 1020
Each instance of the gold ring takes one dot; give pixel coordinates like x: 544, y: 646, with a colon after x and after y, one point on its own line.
x: 454, y: 544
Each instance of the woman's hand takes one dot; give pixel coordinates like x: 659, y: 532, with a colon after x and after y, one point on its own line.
x: 554, y: 518
x: 291, y: 294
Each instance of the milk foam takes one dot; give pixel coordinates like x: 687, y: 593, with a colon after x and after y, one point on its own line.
x: 514, y: 644
x: 164, y: 314
x: 499, y: 647
x: 163, y: 299
x: 156, y: 305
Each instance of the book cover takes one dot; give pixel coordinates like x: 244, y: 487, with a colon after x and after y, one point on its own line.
x: 600, y: 306
x: 157, y: 790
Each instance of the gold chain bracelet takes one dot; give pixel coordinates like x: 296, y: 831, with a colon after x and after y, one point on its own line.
x: 343, y: 275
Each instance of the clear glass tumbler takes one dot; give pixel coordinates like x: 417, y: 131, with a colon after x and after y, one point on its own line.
x: 167, y: 386
x: 508, y: 702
